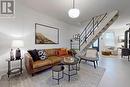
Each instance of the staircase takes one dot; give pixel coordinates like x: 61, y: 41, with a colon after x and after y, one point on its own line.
x: 94, y: 29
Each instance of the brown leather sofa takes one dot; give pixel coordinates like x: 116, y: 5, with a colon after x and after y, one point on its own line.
x: 39, y: 65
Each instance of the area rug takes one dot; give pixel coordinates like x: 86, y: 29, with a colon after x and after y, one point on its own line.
x: 87, y: 77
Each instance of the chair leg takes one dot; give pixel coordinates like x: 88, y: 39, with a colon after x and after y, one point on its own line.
x: 121, y: 56
x: 94, y: 64
x: 32, y: 74
x: 128, y: 58
x: 97, y: 63
x: 80, y: 60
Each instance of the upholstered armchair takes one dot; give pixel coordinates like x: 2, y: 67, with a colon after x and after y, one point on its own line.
x: 91, y: 55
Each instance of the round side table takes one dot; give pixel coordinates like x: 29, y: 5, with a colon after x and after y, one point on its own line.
x: 14, y: 70
x: 57, y: 69
x: 71, y: 64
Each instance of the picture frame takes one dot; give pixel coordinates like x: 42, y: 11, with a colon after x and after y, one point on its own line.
x: 45, y: 34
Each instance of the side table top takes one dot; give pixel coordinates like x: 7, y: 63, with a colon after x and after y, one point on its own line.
x: 58, y: 68
x: 9, y: 59
x: 70, y: 63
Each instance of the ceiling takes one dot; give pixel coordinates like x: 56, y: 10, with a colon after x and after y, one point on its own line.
x: 88, y: 8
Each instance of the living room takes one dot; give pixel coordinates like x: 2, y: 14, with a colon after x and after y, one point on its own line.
x: 30, y: 16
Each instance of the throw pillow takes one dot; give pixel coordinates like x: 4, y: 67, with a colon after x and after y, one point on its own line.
x: 33, y: 54
x: 62, y: 52
x: 42, y: 54
x: 73, y: 52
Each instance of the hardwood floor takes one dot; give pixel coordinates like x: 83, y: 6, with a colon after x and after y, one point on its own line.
x: 86, y: 77
x: 117, y: 72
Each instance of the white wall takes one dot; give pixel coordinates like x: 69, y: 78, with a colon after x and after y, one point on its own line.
x: 22, y: 27
x: 77, y: 30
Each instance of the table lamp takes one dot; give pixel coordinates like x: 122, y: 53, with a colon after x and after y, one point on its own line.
x: 17, y: 44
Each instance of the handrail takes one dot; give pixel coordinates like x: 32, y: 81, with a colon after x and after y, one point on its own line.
x: 90, y: 28
x: 90, y: 22
x: 86, y: 26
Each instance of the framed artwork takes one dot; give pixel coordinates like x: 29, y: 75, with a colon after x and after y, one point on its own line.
x: 45, y: 34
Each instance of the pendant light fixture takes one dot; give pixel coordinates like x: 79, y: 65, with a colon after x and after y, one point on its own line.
x: 74, y: 12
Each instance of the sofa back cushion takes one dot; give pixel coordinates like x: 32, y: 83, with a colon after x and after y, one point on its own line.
x: 62, y: 52
x: 34, y: 54
x: 51, y: 52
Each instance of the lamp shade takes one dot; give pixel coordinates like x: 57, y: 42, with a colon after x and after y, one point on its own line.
x: 74, y: 13
x: 17, y: 43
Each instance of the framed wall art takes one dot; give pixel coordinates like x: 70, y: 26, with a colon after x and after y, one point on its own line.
x: 45, y: 34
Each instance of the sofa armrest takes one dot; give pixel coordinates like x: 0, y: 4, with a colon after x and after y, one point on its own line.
x: 28, y: 63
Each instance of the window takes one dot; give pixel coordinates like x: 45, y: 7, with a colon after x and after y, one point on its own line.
x: 95, y: 44
x: 109, y: 39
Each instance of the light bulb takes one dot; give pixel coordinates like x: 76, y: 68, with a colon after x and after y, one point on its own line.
x: 73, y: 13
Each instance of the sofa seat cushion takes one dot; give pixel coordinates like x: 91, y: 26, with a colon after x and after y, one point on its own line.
x: 41, y: 63
x: 65, y: 56
x: 55, y: 59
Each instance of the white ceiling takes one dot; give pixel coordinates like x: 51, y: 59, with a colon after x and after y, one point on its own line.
x: 88, y: 8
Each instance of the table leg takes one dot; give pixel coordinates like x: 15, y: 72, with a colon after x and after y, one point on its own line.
x: 62, y: 74
x: 69, y: 73
x: 52, y: 74
x: 8, y: 68
x: 76, y: 69
x: 58, y: 78
x: 21, y: 66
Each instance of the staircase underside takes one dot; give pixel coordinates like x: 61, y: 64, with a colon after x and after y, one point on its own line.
x: 100, y: 29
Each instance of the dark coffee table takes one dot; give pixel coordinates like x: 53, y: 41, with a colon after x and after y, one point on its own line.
x: 70, y: 64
